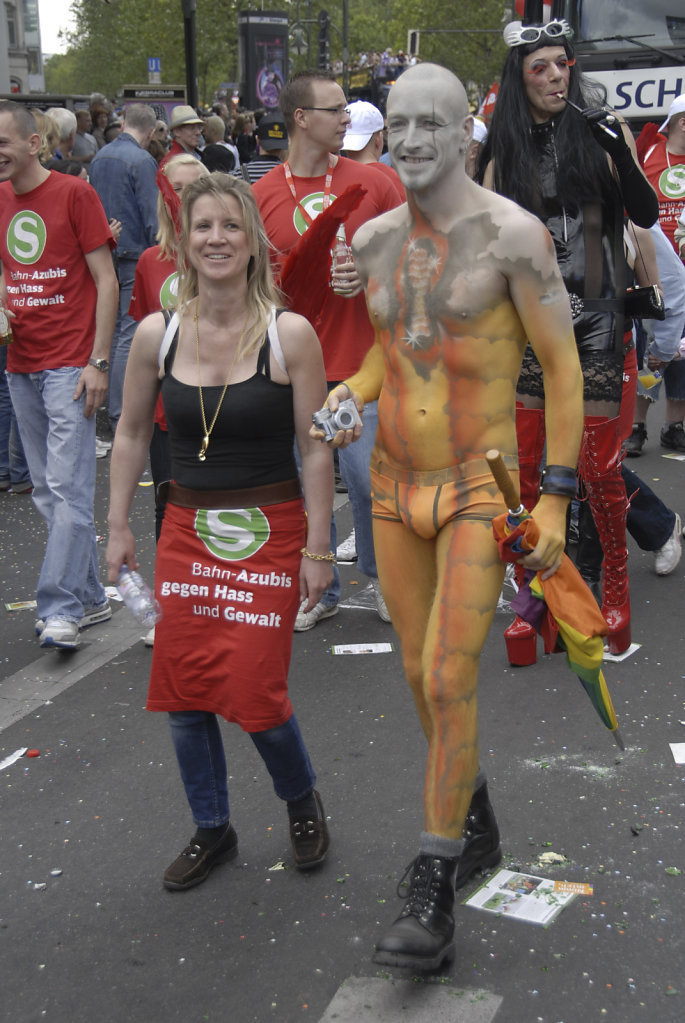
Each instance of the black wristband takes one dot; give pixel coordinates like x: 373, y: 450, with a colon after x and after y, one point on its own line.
x: 559, y: 479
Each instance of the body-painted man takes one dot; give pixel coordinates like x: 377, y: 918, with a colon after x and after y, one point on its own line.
x: 457, y: 280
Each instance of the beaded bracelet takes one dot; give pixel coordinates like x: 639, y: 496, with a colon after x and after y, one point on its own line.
x: 318, y: 557
x: 559, y: 479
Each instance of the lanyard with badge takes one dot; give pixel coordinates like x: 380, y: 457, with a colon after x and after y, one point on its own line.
x: 309, y: 220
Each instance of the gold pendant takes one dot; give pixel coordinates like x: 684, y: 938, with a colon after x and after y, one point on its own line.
x: 205, y: 444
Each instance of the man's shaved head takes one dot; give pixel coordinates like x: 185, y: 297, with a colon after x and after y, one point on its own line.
x: 429, y: 127
x: 436, y: 81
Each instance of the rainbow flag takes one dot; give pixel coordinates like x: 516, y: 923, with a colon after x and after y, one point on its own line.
x: 563, y: 610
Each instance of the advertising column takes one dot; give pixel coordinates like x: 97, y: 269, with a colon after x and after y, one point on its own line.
x: 263, y: 54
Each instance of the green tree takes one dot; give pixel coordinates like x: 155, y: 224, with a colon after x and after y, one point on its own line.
x: 475, y: 55
x: 111, y: 42
x: 110, y: 45
x: 475, y: 52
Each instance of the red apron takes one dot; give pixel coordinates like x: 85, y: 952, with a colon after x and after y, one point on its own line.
x: 228, y: 584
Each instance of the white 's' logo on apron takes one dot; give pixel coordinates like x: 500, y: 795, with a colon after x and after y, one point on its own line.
x: 233, y: 534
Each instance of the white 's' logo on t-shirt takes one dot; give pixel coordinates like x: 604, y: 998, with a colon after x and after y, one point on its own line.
x: 26, y: 237
x: 672, y: 182
x: 314, y: 205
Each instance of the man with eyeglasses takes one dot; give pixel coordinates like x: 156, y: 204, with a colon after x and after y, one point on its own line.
x: 290, y: 197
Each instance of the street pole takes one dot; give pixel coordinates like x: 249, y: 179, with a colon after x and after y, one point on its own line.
x: 189, y: 7
x: 346, y: 48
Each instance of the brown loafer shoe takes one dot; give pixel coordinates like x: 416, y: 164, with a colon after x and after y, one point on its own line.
x: 310, y: 838
x: 195, y: 862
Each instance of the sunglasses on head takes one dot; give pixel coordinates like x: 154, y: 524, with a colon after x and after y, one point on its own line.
x: 517, y: 34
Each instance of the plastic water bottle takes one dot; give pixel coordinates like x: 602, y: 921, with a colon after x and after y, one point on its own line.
x: 138, y: 597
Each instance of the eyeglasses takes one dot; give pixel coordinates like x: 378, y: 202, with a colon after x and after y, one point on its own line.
x: 338, y: 111
x: 516, y: 34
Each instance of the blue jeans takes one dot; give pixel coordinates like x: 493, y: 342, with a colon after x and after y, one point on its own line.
x: 200, y: 753
x: 121, y: 342
x: 13, y: 467
x: 354, y: 469
x: 674, y: 379
x: 674, y: 372
x: 649, y: 522
x: 59, y: 443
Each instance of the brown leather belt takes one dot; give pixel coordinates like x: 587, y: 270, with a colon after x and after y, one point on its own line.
x: 249, y: 497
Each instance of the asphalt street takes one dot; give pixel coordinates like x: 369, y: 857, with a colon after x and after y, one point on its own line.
x: 87, y: 931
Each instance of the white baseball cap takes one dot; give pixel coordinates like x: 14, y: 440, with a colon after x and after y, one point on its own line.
x: 365, y: 120
x: 480, y: 131
x: 676, y: 107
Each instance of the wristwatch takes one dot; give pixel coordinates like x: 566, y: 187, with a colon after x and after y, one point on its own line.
x: 100, y: 364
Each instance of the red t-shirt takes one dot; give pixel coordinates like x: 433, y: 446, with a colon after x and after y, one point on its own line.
x: 345, y: 330
x: 666, y: 174
x: 155, y: 287
x: 393, y: 177
x: 45, y: 235
x: 176, y: 149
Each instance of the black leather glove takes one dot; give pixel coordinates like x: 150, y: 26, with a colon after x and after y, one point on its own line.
x: 639, y: 197
x: 606, y: 130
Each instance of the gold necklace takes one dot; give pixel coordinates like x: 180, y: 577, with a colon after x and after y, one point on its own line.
x: 202, y: 453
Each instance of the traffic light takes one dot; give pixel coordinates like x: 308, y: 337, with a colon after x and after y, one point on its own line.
x: 413, y: 37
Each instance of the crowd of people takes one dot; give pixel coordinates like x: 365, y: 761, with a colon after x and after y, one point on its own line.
x: 383, y: 64
x: 171, y: 270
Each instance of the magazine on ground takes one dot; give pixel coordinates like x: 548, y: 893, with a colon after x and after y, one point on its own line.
x: 535, y: 900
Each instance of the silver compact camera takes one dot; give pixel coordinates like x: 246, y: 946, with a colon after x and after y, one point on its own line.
x: 345, y: 417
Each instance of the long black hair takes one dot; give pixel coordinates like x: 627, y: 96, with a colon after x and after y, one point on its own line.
x: 583, y: 172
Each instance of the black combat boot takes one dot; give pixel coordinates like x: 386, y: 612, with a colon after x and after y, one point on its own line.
x: 421, y: 937
x: 481, y: 838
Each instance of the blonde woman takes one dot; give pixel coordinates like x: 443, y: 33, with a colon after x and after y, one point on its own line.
x: 233, y: 561
x: 49, y: 135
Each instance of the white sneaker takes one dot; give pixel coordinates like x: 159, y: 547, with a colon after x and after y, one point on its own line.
x: 347, y: 550
x: 59, y: 632
x: 308, y: 619
x: 149, y: 637
x: 95, y: 615
x: 91, y: 616
x: 383, y: 612
x: 668, y: 556
x: 102, y: 448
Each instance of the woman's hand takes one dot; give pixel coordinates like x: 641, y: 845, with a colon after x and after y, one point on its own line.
x: 121, y: 550
x: 315, y: 578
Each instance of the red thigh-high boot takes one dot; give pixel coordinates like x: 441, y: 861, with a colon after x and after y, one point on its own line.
x: 600, y: 467
x: 520, y: 637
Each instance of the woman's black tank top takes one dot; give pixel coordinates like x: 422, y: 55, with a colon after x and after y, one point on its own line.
x: 252, y: 440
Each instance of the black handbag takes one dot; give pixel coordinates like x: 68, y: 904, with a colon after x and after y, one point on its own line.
x: 645, y: 303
